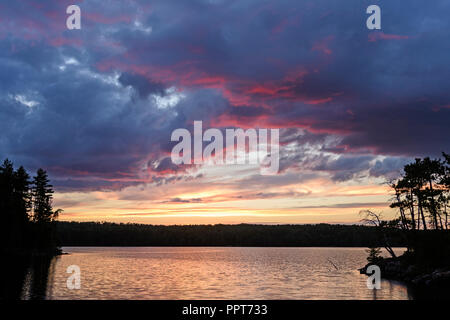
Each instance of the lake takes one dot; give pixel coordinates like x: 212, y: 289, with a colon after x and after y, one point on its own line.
x: 215, y: 273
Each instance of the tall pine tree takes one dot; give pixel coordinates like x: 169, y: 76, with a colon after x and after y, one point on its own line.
x: 22, y: 195
x: 42, y: 198
x: 6, y: 202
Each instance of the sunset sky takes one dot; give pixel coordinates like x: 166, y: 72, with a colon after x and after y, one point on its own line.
x: 96, y: 107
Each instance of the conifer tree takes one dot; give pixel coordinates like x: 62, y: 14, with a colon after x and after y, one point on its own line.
x: 42, y: 197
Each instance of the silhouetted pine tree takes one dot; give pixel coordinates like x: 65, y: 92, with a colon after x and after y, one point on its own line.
x: 26, y: 211
x: 21, y: 205
x: 42, y: 198
x: 422, y: 194
x: 22, y: 193
x: 6, y: 201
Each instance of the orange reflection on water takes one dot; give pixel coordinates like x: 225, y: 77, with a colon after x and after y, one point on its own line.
x: 218, y: 273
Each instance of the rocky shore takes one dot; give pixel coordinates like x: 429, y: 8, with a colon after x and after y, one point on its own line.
x: 418, y: 276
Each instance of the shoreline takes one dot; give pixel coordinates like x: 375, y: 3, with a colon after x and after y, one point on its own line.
x: 33, y: 254
x: 422, y: 278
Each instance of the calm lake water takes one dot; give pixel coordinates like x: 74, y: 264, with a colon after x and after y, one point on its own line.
x: 216, y: 273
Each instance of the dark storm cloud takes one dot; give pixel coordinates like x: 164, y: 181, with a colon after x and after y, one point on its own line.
x: 142, y: 85
x: 69, y: 103
x: 388, y: 167
x: 345, y: 167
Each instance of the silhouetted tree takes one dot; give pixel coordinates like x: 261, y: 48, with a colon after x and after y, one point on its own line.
x: 445, y: 198
x: 22, y: 194
x: 422, y: 194
x: 26, y: 211
x: 6, y: 201
x: 374, y: 255
x: 375, y: 219
x: 42, y: 198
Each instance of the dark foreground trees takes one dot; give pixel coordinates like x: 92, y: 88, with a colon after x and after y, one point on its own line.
x: 422, y: 194
x: 26, y: 212
x: 421, y: 198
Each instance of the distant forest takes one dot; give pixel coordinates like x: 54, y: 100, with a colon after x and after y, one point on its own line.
x: 251, y: 235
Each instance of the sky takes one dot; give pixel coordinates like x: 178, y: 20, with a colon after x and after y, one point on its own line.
x: 96, y: 107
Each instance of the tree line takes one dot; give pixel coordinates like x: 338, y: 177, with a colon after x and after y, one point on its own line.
x: 26, y: 210
x: 130, y: 234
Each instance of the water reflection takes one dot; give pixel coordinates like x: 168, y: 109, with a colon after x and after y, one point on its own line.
x: 27, y: 278
x: 199, y: 273
x: 219, y: 273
